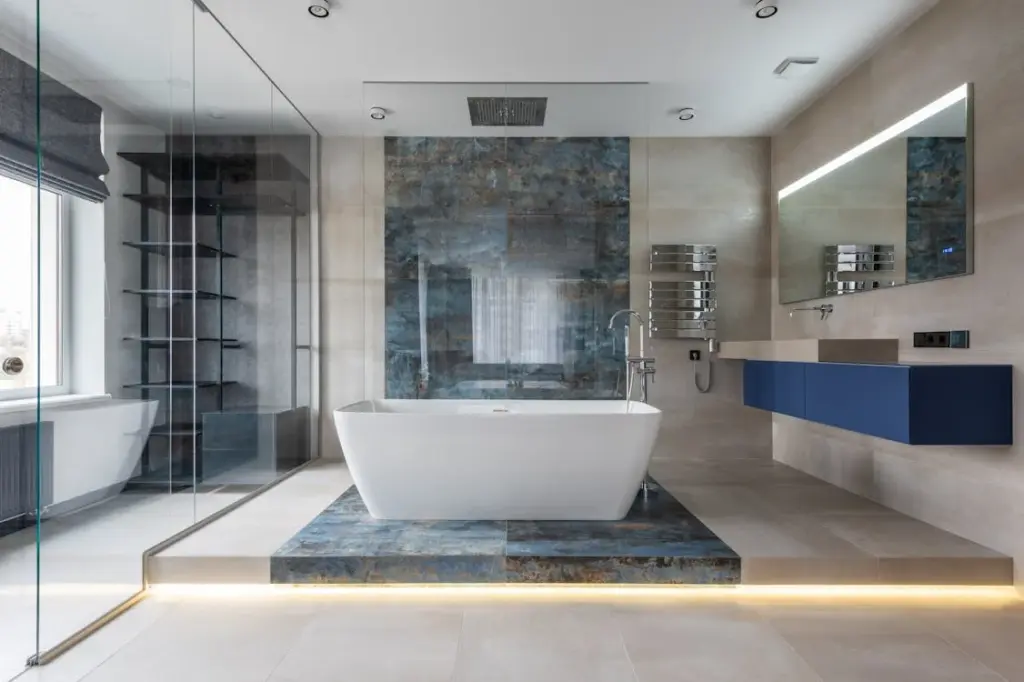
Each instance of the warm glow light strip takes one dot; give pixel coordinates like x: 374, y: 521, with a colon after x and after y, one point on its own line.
x: 916, y: 594
x: 958, y: 95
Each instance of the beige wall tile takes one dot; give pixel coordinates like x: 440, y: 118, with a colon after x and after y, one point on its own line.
x: 706, y: 191
x: 973, y: 492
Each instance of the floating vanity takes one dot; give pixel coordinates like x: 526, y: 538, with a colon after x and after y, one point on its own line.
x: 906, y: 403
x: 858, y: 385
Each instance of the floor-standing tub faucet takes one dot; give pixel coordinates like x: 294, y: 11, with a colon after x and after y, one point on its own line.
x: 637, y: 367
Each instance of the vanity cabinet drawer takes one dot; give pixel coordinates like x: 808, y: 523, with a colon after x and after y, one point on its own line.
x: 913, y: 404
x: 775, y: 386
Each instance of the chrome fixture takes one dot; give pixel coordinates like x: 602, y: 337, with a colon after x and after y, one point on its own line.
x: 825, y: 309
x: 687, y: 114
x: 378, y: 113
x: 12, y: 366
x: 637, y: 367
x: 683, y: 307
x: 765, y: 9
x: 321, y: 9
x: 859, y: 267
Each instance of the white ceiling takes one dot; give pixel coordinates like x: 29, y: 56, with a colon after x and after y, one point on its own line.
x: 708, y: 54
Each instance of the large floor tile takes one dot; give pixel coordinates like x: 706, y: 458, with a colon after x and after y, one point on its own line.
x: 210, y: 641
x: 542, y: 643
x: 863, y: 657
x: 382, y: 643
x: 994, y: 638
x: 708, y: 644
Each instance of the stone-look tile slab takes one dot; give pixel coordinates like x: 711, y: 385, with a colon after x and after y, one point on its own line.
x: 658, y: 542
x: 624, y: 570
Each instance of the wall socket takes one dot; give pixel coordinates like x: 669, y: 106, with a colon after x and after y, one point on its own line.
x: 944, y: 339
x: 694, y: 355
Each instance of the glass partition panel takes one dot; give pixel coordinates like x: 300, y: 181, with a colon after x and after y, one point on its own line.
x: 22, y: 376
x: 297, y: 143
x: 116, y: 456
x: 257, y: 151
x: 155, y: 297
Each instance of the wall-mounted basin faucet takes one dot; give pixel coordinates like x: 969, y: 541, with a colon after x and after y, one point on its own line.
x: 825, y: 309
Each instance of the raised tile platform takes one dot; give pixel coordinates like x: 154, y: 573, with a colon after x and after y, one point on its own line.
x: 659, y: 542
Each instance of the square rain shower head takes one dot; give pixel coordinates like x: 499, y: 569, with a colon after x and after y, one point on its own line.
x: 507, y: 111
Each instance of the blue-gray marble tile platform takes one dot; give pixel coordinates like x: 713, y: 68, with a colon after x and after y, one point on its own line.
x: 659, y: 542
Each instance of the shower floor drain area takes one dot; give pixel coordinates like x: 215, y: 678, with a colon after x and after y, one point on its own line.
x: 659, y: 542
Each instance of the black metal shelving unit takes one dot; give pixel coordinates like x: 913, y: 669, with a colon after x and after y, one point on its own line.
x: 215, y: 185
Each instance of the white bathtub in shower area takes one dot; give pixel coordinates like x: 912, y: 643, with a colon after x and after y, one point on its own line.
x: 500, y: 460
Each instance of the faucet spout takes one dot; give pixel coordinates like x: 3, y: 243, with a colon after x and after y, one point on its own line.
x: 639, y: 318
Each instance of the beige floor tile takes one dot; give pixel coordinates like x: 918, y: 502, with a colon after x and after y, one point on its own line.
x: 996, y: 638
x: 901, y: 536
x: 708, y: 644
x: 383, y: 643
x: 952, y: 570
x: 541, y: 643
x: 864, y: 657
x: 210, y: 641
x: 808, y: 570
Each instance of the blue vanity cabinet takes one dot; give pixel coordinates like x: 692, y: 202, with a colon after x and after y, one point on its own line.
x: 775, y: 386
x: 913, y: 404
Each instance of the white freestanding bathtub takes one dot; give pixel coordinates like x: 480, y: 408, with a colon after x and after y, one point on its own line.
x: 492, y: 459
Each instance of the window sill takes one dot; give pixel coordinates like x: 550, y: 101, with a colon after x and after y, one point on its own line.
x: 48, y: 402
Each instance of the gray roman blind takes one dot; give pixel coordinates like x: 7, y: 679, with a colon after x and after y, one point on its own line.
x: 69, y: 130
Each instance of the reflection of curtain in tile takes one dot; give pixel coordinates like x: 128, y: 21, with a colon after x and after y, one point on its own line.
x: 518, y: 319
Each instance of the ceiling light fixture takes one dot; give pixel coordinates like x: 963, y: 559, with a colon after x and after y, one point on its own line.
x: 764, y: 9
x: 687, y: 114
x: 920, y: 116
x: 378, y: 113
x: 321, y: 9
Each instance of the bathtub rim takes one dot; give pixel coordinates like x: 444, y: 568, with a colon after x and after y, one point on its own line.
x: 645, y: 409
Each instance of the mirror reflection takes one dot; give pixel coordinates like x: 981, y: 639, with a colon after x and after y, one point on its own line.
x: 897, y: 213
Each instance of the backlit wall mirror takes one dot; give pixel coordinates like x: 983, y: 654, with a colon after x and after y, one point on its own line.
x: 896, y: 209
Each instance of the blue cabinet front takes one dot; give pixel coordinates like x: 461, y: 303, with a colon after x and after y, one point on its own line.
x: 913, y: 404
x: 869, y: 399
x: 774, y: 386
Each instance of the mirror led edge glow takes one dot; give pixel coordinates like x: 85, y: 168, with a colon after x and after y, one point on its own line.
x: 944, y: 102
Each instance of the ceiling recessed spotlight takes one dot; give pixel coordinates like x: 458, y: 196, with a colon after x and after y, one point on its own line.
x: 765, y: 9
x: 687, y: 114
x: 321, y: 9
x: 378, y: 113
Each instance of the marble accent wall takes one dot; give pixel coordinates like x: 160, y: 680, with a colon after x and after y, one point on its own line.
x: 504, y: 260
x: 977, y: 493
x: 936, y: 207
